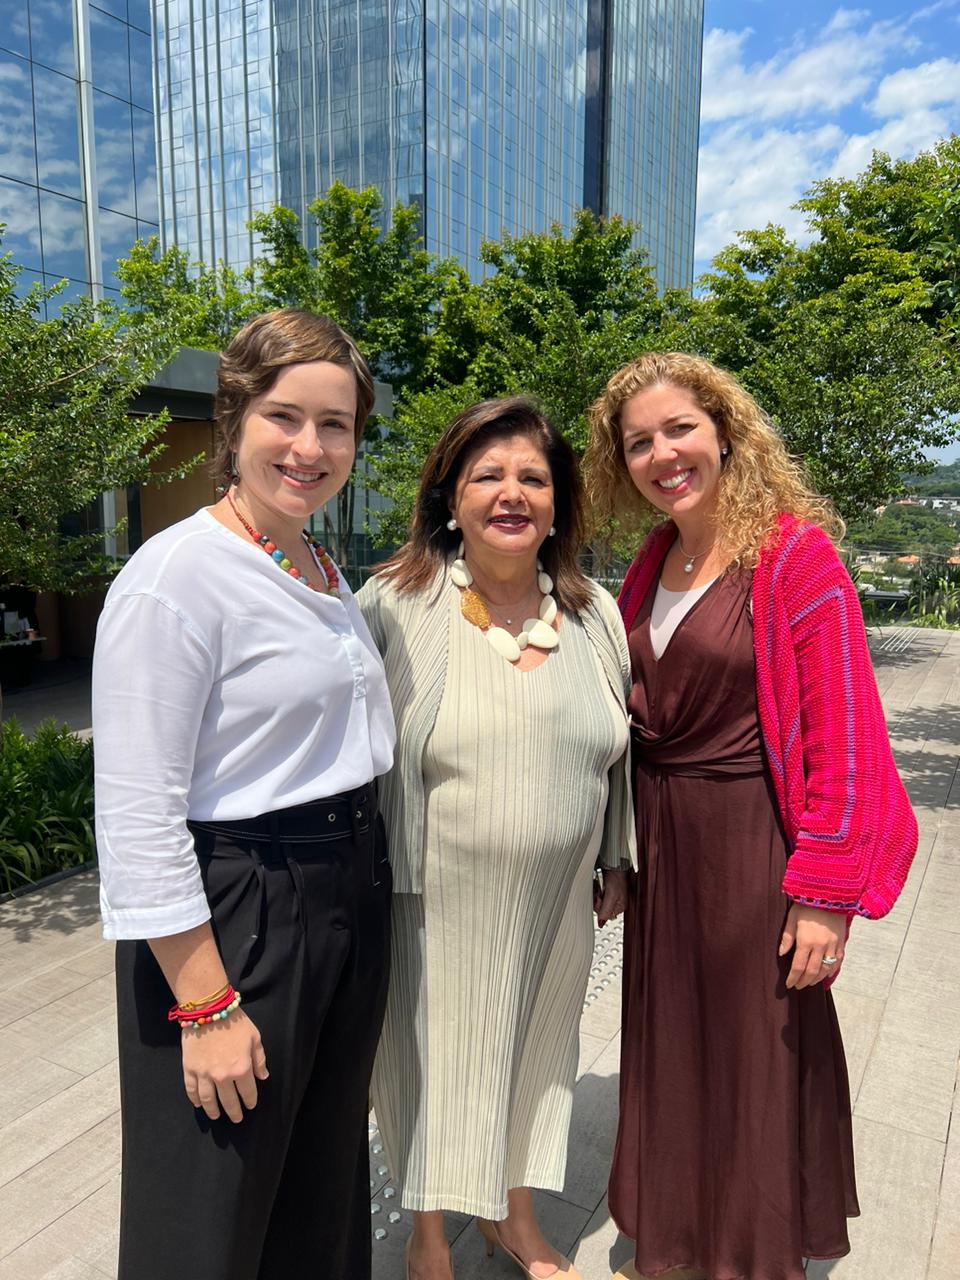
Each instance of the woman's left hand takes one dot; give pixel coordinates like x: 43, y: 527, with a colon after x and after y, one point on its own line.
x: 614, y: 899
x: 814, y: 934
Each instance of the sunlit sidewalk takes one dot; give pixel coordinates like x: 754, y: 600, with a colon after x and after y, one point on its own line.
x: 899, y: 1003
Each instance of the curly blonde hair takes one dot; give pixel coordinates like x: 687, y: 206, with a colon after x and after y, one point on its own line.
x: 759, y: 480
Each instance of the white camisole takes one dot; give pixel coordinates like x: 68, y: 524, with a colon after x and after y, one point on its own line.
x: 669, y: 610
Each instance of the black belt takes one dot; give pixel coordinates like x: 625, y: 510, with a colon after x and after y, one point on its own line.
x: 272, y: 839
x: 351, y: 813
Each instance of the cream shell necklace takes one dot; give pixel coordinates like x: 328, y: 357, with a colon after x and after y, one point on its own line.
x: 538, y: 632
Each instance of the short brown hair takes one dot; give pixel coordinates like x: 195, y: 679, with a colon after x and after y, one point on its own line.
x: 414, y: 566
x: 260, y: 351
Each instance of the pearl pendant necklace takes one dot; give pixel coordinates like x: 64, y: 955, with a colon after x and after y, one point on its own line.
x: 688, y: 567
x: 538, y: 632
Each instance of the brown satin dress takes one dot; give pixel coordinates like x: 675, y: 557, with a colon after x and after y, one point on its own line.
x: 734, y: 1151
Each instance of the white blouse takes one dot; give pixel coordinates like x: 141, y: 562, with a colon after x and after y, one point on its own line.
x: 222, y: 688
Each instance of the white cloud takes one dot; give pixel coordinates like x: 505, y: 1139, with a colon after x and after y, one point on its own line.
x: 747, y: 179
x: 771, y: 128
x: 931, y: 10
x: 832, y: 71
x: 929, y: 84
x: 904, y: 136
x: 844, y: 19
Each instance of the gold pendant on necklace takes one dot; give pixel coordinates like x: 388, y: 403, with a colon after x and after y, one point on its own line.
x: 474, y: 609
x: 539, y: 631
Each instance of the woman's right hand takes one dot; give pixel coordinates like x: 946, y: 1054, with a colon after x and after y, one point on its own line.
x: 613, y: 901
x: 222, y: 1062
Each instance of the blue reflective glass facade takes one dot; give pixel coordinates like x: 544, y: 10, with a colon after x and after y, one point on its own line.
x: 492, y: 115
x: 505, y: 119
x: 652, y: 127
x: 78, y: 179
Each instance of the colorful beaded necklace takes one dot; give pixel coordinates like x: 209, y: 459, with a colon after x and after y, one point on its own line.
x: 274, y: 552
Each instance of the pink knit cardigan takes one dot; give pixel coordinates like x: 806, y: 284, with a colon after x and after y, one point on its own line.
x: 844, y: 809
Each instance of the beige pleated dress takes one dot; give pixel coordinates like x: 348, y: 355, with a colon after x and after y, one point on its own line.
x: 474, y: 1078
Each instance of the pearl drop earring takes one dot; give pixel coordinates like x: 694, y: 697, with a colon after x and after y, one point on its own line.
x: 452, y: 523
x: 551, y: 531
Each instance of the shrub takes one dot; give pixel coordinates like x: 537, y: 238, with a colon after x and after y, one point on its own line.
x: 935, y: 598
x: 46, y: 803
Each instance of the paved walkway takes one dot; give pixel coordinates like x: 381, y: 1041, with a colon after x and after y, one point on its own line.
x: 60, y: 690
x: 898, y: 998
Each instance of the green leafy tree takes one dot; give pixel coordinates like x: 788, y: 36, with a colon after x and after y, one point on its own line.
x: 558, y: 314
x: 943, y: 480
x: 66, y: 434
x: 850, y: 341
x: 203, y: 306
x: 412, y: 315
x: 377, y: 281
x: 912, y: 206
x: 839, y: 342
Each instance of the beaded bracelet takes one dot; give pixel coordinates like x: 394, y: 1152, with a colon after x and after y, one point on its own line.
x: 213, y: 1017
x: 192, y: 1014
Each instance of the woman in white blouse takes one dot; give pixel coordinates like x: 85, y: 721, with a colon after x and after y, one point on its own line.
x: 240, y: 717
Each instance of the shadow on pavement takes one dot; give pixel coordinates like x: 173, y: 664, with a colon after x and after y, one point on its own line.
x: 68, y: 906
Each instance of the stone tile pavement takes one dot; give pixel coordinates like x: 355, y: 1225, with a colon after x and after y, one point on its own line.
x: 59, y: 689
x: 898, y: 1000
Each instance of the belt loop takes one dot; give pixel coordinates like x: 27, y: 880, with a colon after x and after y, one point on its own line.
x: 275, y: 851
x: 355, y: 800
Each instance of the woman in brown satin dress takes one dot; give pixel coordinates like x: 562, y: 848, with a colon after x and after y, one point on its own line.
x: 723, y: 1103
x: 734, y: 1155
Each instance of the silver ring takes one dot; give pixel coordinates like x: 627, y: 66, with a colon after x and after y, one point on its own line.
x: 830, y: 961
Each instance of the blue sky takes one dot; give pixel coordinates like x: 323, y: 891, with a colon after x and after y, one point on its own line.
x: 796, y: 92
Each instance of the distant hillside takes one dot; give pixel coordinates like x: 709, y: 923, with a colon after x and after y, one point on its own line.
x: 943, y: 480
x: 905, y: 529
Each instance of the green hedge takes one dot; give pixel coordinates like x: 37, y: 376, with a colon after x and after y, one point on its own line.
x: 46, y: 803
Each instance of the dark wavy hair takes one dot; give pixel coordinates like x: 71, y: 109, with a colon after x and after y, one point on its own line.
x: 256, y: 356
x: 431, y: 543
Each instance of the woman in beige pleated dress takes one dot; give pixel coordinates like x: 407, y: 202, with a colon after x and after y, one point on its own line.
x: 507, y: 669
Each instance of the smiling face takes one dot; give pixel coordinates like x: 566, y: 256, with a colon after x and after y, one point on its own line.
x: 503, y: 500
x: 672, y: 451
x: 296, y: 444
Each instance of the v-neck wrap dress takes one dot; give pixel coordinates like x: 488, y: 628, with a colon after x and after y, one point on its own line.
x: 474, y: 1077
x: 734, y: 1153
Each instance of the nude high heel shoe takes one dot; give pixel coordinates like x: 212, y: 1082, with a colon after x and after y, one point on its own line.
x: 406, y: 1257
x: 491, y: 1234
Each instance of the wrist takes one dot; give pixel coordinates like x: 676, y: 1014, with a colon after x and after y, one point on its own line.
x: 192, y: 1015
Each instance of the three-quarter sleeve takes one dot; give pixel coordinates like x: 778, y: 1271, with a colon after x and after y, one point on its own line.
x: 152, y: 677
x: 618, y: 848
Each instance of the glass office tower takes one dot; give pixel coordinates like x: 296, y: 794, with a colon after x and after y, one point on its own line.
x: 650, y: 104
x: 492, y: 115
x: 78, y: 178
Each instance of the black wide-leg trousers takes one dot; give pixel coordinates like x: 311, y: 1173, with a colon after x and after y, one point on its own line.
x: 300, y: 901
